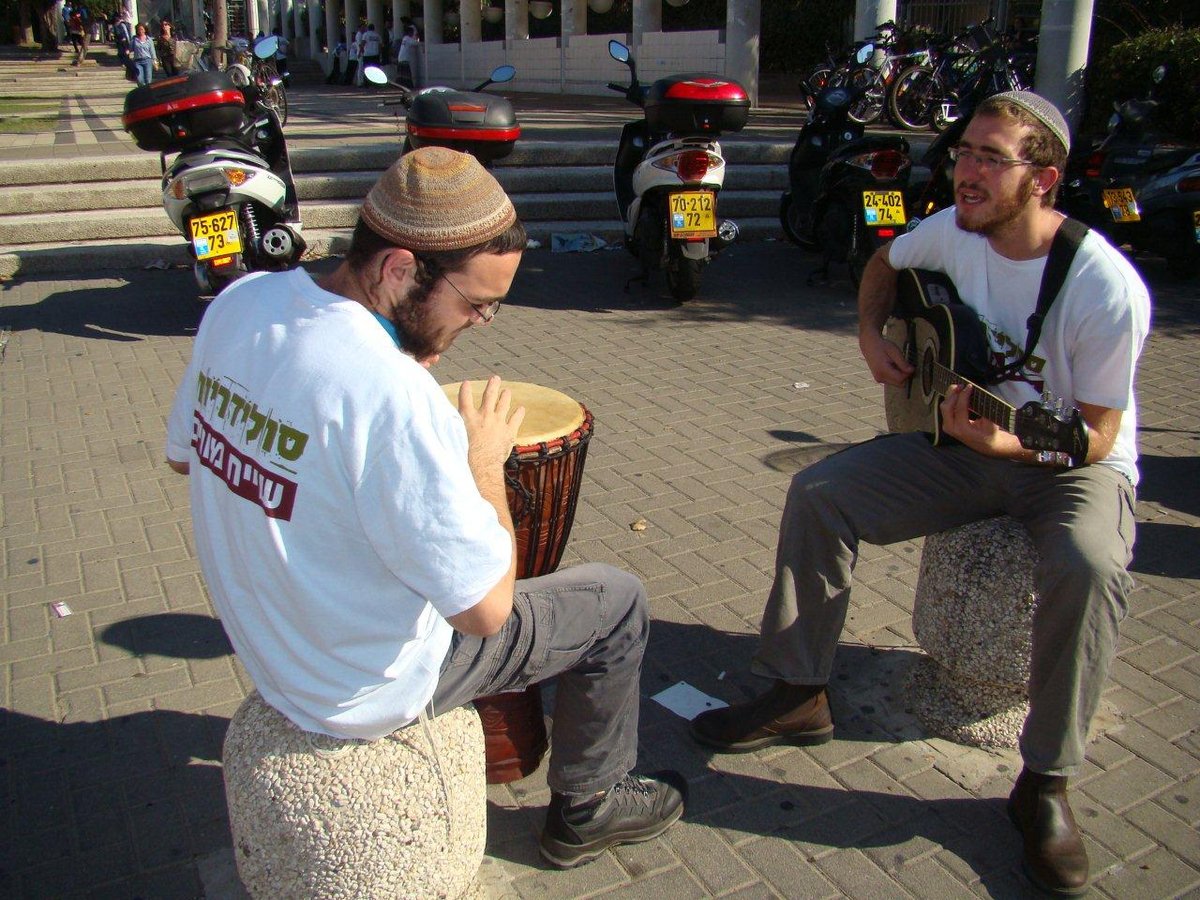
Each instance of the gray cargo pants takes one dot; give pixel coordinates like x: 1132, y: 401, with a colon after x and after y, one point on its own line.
x: 588, y: 626
x: 900, y: 487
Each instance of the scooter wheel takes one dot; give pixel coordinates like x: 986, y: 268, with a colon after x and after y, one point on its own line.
x: 789, y: 220
x: 683, y: 277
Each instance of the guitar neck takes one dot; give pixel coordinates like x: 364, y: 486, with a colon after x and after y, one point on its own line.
x: 983, y: 402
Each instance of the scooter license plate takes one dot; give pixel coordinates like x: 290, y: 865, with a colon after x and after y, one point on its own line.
x: 693, y: 214
x: 216, y: 234
x: 1196, y: 223
x: 883, y: 208
x: 1122, y: 204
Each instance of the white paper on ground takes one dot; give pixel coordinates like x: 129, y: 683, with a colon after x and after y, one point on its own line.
x: 687, y: 701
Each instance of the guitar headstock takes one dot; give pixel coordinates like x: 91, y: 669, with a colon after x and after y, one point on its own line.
x: 1057, y: 433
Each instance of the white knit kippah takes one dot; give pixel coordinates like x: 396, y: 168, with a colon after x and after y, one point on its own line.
x: 1042, y: 110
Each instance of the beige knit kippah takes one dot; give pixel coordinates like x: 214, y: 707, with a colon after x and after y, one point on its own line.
x: 436, y: 199
x: 1042, y: 110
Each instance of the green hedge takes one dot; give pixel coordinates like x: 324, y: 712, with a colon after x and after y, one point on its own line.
x: 1123, y: 71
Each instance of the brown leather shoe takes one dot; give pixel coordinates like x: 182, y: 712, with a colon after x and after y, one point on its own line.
x: 786, y: 714
x: 1055, y: 858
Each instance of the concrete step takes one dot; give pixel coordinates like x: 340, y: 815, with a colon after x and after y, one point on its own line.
x: 125, y: 195
x: 171, y: 252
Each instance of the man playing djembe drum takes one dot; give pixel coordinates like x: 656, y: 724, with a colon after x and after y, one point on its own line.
x: 353, y: 527
x: 994, y: 245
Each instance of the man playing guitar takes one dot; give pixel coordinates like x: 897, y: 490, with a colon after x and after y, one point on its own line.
x: 993, y: 244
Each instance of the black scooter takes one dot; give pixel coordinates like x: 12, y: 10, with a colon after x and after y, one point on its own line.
x: 1104, y: 182
x: 846, y: 190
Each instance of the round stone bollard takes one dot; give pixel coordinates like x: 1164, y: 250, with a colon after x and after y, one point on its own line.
x: 973, y: 616
x: 316, y: 816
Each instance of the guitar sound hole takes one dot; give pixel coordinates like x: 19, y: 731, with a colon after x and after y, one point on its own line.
x: 927, y: 361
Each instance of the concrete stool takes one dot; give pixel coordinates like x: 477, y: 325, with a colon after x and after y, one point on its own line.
x: 317, y: 816
x: 973, y: 616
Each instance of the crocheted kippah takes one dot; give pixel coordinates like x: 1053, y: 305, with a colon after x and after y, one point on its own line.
x: 1042, y: 110
x: 436, y: 199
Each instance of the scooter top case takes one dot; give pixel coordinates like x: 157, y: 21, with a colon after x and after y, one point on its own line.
x: 474, y: 122
x: 696, y: 103
x: 167, y: 115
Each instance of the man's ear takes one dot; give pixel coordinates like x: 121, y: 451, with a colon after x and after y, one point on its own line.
x: 396, y: 263
x: 1045, y: 179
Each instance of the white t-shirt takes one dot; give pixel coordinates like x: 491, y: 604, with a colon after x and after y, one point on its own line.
x: 1091, y: 338
x: 371, y: 44
x: 337, y: 521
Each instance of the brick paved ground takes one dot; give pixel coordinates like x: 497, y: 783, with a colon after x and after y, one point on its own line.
x: 114, y: 715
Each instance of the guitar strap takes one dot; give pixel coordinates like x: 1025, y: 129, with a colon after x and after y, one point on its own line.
x: 1066, y: 241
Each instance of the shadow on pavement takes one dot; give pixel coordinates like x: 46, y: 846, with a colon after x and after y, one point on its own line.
x: 174, y: 635
x: 120, y: 307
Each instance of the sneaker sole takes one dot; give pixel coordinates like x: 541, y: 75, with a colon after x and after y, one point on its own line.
x: 568, y: 856
x: 805, y: 739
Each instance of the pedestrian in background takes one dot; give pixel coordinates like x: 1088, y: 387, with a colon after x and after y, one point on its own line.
x: 165, y: 46
x: 143, y: 56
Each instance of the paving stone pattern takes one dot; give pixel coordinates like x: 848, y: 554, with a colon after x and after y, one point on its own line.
x: 114, y: 715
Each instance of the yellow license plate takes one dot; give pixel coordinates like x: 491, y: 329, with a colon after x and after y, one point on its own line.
x: 693, y: 214
x: 883, y: 208
x: 1122, y: 204
x: 216, y: 234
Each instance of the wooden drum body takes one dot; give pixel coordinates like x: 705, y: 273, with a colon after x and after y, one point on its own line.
x: 542, y: 478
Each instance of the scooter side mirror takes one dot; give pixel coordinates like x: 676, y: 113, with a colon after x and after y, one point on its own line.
x: 375, y: 75
x: 267, y: 47
x: 1160, y: 72
x: 618, y: 51
x: 501, y: 74
x: 865, y: 52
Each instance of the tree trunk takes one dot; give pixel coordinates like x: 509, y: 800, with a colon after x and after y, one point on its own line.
x: 49, y: 17
x: 25, y: 22
x: 220, y: 34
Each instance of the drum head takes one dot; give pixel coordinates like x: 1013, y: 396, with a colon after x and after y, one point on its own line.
x: 549, y: 414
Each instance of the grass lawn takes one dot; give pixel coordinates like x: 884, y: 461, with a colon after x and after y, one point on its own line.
x: 19, y: 116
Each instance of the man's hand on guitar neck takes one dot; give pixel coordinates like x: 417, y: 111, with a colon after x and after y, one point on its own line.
x: 980, y: 434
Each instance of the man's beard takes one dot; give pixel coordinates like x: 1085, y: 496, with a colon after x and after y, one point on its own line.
x: 411, y: 319
x: 1006, y: 210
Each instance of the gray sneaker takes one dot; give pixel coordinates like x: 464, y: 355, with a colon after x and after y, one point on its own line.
x: 636, y: 808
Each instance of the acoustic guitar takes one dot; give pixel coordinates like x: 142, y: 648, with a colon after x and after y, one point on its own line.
x: 944, y: 340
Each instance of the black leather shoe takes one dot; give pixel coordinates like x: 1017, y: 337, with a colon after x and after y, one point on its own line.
x: 1055, y: 858
x: 635, y: 809
x: 795, y: 714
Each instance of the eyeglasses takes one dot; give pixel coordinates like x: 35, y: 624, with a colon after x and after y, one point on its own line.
x: 987, y: 162
x: 485, y: 311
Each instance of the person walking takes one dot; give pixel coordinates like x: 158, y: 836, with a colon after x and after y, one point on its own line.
x: 406, y: 57
x: 143, y: 56
x: 165, y: 47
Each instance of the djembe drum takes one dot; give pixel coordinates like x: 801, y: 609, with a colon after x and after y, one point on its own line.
x: 542, y: 478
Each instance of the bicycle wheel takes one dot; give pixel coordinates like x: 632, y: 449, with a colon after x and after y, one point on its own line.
x: 276, y: 98
x: 914, y: 94
x: 869, y: 106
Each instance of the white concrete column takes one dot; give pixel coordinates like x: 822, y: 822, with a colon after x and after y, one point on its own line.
x: 433, y: 21
x: 470, y: 22
x: 574, y: 17
x: 264, y: 17
x: 647, y: 16
x: 868, y: 14
x: 351, y: 20
x: 1063, y: 43
x: 284, y: 22
x: 375, y: 14
x: 332, y: 8
x: 516, y: 20
x: 298, y: 26
x: 743, y: 19
x: 251, y: 20
x: 314, y: 42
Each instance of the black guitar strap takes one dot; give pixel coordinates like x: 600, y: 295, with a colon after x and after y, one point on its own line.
x: 1066, y: 241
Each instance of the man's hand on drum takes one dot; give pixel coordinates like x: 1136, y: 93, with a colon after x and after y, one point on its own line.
x: 491, y: 427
